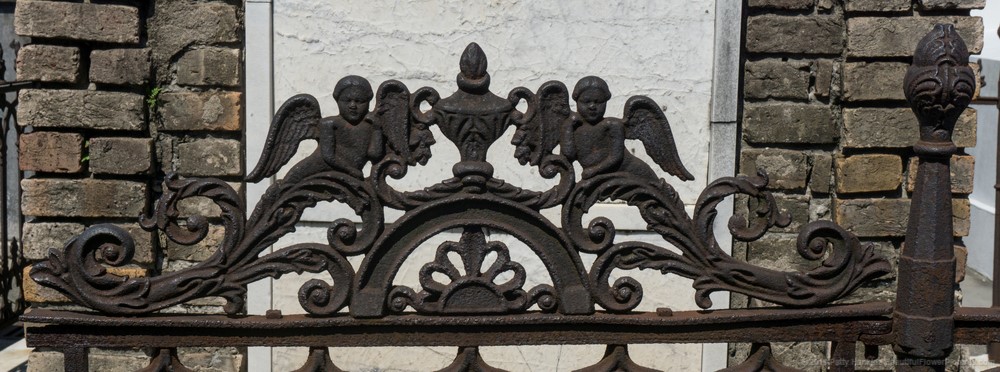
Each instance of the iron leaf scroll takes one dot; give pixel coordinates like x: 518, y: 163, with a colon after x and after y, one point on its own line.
x: 394, y: 137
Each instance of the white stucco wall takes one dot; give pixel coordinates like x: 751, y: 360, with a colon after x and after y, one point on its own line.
x: 659, y: 48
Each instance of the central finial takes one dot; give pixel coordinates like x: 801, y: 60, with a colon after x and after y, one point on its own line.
x: 473, y: 77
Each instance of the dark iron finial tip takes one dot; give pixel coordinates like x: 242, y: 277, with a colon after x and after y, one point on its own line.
x: 941, y: 45
x: 473, y: 63
x: 939, y: 85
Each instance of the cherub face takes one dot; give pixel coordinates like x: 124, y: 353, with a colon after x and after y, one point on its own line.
x: 353, y: 104
x: 591, y: 105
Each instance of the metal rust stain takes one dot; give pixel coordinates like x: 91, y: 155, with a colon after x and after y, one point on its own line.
x: 467, y: 306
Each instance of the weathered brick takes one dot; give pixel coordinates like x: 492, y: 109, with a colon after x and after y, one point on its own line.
x: 820, y: 180
x: 950, y: 4
x: 34, y: 292
x: 823, y: 74
x: 37, y: 238
x: 774, y: 78
x: 797, y: 206
x: 82, y: 198
x: 44, y: 108
x: 77, y: 21
x: 120, y: 66
x: 789, y: 123
x: 50, y: 152
x: 898, y: 36
x: 962, y: 172
x: 781, y: 4
x: 872, y: 81
x: 117, y: 155
x: 892, y: 127
x: 209, y: 157
x: 199, y: 251
x: 795, y: 34
x: 786, y: 169
x: 189, y: 111
x: 869, y: 173
x: 143, y: 243
x: 877, y: 5
x: 209, y: 66
x: 48, y: 63
x: 888, y: 217
x: 177, y: 25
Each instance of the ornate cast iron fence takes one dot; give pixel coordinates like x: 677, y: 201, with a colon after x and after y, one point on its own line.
x: 472, y: 307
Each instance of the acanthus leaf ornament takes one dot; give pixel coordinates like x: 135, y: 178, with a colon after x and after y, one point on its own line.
x: 395, y: 136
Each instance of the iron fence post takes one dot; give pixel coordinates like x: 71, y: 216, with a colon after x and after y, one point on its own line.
x: 939, y: 85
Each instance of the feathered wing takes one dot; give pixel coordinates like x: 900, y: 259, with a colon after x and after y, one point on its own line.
x: 645, y: 122
x: 297, y: 119
x: 540, y: 135
x: 392, y: 116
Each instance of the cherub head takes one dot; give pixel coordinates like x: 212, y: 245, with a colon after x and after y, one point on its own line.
x: 591, y: 95
x: 353, y: 94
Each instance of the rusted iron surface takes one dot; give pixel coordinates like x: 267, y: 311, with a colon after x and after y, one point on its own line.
x: 165, y: 360
x: 939, y: 85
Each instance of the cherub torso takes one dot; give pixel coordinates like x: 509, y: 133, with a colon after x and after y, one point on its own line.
x: 595, y: 142
x: 351, y: 141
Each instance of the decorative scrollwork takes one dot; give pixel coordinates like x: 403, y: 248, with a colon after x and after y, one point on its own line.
x: 395, y: 136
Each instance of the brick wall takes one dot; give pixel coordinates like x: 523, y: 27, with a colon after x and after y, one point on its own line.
x: 824, y: 115
x: 127, y: 92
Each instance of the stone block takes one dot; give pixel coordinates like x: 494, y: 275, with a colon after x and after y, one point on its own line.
x: 48, y: 63
x: 782, y: 4
x: 82, y: 198
x: 77, y: 21
x: 199, y: 251
x: 120, y: 66
x: 177, y: 25
x: 85, y: 109
x: 774, y: 78
x: 37, y: 238
x: 210, y: 157
x: 877, y: 5
x: 45, y: 361
x: 898, y: 36
x: 189, y: 111
x: 50, y: 152
x: 888, y: 217
x: 210, y: 66
x: 874, y: 81
x: 119, y: 155
x: 34, y: 292
x: 789, y: 123
x: 897, y: 127
x: 962, y: 172
x: 822, y: 168
x: 786, y: 169
x: 950, y: 4
x: 795, y: 34
x: 869, y: 173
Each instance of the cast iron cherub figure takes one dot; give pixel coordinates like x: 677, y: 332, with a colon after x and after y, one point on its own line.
x: 597, y: 142
x: 347, y: 141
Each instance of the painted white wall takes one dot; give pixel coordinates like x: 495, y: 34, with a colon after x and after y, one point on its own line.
x: 662, y: 49
x: 982, y: 200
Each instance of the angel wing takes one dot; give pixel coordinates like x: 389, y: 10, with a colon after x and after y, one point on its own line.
x: 540, y: 134
x: 645, y: 122
x: 297, y: 119
x: 392, y: 116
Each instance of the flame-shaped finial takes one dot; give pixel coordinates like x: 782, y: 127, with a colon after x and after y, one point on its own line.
x: 939, y: 84
x: 473, y: 78
x: 473, y: 63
